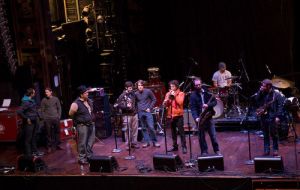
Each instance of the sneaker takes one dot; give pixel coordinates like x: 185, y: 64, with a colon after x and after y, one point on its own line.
x: 155, y: 144
x: 204, y: 154
x: 38, y: 154
x: 275, y: 153
x: 266, y: 153
x: 59, y: 148
x: 136, y: 146
x: 184, y: 150
x: 218, y: 153
x: 146, y: 145
x: 83, y: 162
x: 173, y: 149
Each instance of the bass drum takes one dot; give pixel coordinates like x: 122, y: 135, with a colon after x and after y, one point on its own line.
x: 219, y: 108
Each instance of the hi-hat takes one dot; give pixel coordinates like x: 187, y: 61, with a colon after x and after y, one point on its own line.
x: 192, y: 77
x: 281, y: 83
x: 232, y: 77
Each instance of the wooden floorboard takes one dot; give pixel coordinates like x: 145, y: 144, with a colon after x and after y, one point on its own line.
x: 233, y: 146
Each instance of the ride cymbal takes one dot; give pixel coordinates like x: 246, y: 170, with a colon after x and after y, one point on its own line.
x: 281, y: 83
x: 192, y: 77
x: 232, y: 77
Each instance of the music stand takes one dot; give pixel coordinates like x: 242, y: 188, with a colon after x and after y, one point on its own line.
x: 116, y: 150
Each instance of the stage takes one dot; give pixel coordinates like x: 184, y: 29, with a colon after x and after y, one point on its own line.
x: 63, y: 171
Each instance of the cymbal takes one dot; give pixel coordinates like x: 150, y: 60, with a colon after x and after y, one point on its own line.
x: 192, y: 77
x: 153, y: 69
x: 281, y: 83
x: 232, y: 77
x: 207, y: 85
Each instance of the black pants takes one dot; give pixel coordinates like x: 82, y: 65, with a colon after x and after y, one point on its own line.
x: 212, y: 134
x: 177, y: 123
x: 30, y: 137
x: 53, y: 132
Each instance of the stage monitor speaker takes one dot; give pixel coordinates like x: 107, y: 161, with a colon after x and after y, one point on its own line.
x: 105, y: 164
x: 167, y: 162
x: 268, y: 164
x: 211, y: 163
x: 30, y: 163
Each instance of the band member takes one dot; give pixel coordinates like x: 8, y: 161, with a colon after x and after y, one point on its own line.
x: 173, y: 101
x: 29, y: 113
x: 81, y: 111
x: 145, y: 102
x: 127, y: 104
x: 221, y: 78
x: 269, y: 113
x: 51, y: 112
x: 201, y: 104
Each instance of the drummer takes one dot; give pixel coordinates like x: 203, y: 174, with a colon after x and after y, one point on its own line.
x: 222, y: 80
x: 222, y: 77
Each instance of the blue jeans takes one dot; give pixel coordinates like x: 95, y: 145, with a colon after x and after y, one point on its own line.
x: 147, y: 124
x: 85, y: 141
x: 212, y: 134
x: 269, y: 128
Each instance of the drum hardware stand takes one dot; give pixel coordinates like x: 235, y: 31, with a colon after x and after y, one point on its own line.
x: 116, y: 150
x: 236, y: 109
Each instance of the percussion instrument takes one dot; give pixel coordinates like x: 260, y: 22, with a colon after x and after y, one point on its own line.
x: 219, y: 108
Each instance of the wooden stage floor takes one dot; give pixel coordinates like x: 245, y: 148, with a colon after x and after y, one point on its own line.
x: 233, y: 146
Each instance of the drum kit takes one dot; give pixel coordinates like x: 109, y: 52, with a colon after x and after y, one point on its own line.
x: 222, y: 95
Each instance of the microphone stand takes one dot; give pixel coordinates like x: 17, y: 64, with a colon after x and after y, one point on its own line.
x: 191, y: 162
x: 165, y: 134
x: 116, y: 150
x: 129, y: 157
x: 250, y: 161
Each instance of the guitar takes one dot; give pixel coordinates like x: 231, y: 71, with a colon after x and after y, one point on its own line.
x: 263, y: 109
x: 206, y: 113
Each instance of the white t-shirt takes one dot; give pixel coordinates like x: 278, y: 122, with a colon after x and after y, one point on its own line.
x: 220, y: 78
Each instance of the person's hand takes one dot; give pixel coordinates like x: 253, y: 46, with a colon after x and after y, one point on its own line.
x: 129, y: 104
x: 197, y: 119
x: 204, y: 106
x: 148, y: 110
x: 277, y: 120
x: 29, y: 122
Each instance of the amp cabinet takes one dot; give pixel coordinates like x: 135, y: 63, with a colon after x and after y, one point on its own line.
x: 10, y: 124
x: 66, y: 129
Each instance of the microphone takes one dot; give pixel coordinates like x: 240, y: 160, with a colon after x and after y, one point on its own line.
x: 254, y: 95
x: 268, y: 69
x: 95, y: 89
x: 181, y: 84
x: 192, y: 60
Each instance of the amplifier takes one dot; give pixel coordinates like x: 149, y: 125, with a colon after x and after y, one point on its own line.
x: 66, y: 129
x: 211, y: 163
x: 167, y: 162
x: 103, y: 164
x: 268, y: 164
x: 10, y: 124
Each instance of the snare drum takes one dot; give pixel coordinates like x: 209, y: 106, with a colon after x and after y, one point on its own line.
x: 219, y: 108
